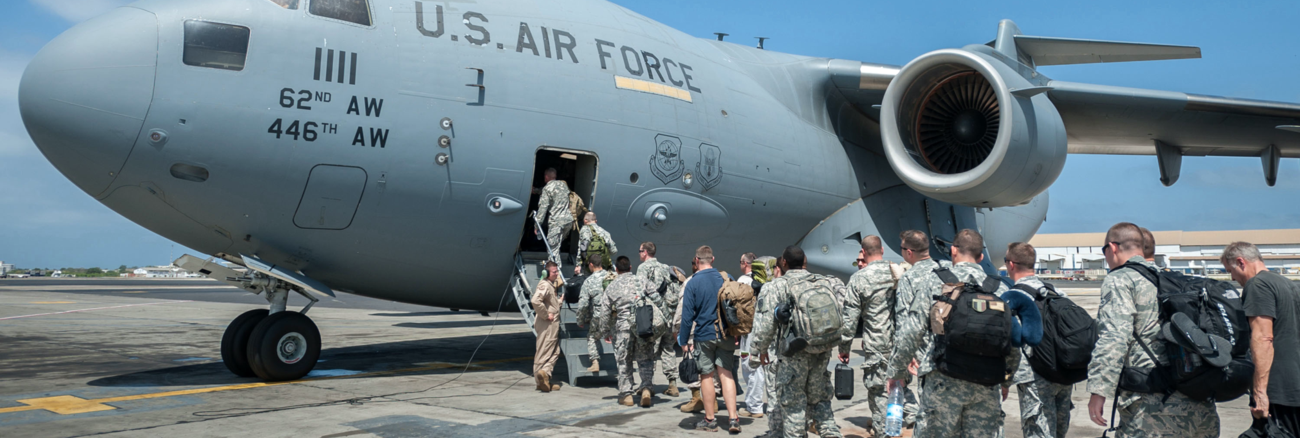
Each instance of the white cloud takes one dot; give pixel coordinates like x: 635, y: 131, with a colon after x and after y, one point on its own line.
x: 77, y: 11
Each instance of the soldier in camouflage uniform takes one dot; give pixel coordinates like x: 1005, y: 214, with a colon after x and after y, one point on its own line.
x: 802, y: 381
x: 1129, y: 307
x: 1044, y: 406
x: 588, y: 297
x: 762, y: 318
x: 553, y: 206
x: 589, y: 229
x: 667, y: 298
x: 950, y: 407
x: 614, y: 315
x: 871, y: 300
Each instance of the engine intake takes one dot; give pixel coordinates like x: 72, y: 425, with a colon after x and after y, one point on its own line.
x: 955, y: 131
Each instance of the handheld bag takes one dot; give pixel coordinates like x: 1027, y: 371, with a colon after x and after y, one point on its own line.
x: 843, y: 382
x: 972, y: 328
x: 650, y: 322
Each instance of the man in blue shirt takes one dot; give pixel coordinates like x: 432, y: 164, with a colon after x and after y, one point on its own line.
x: 714, y: 353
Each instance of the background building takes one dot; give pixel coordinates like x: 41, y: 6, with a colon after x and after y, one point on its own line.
x: 1188, y: 251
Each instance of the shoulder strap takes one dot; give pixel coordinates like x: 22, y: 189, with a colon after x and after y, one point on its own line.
x: 946, y: 276
x: 1144, y: 270
x: 990, y: 284
x: 1029, y: 290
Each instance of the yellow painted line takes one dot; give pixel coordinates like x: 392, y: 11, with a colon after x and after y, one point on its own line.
x: 67, y: 405
x: 626, y: 83
x: 54, y: 302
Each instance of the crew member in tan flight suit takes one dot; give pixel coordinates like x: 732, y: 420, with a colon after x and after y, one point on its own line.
x: 546, y: 306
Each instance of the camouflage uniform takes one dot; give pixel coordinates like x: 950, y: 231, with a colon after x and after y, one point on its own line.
x: 1129, y: 306
x: 659, y: 276
x: 614, y: 315
x: 871, y: 300
x: 559, y: 221
x: 763, y: 316
x: 584, y: 239
x: 950, y: 407
x: 588, y: 298
x: 1044, y: 406
x: 802, y: 381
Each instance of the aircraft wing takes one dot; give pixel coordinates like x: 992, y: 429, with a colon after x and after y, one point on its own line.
x: 1127, y: 121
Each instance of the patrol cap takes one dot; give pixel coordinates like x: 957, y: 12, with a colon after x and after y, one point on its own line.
x: 1180, y: 329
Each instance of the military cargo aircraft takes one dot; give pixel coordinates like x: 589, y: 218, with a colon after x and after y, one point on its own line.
x: 389, y: 148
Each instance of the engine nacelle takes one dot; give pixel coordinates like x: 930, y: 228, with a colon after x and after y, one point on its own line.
x: 967, y: 127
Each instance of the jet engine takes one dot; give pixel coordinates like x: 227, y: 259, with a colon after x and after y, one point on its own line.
x: 972, y: 127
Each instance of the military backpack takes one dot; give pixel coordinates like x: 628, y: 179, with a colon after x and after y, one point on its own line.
x: 598, y: 245
x: 1207, y: 339
x: 1069, y: 335
x: 578, y: 209
x: 735, y: 309
x: 815, y: 320
x: 972, y: 330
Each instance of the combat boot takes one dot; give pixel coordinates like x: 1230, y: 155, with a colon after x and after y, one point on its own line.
x: 645, y: 398
x: 546, y: 382
x: 595, y: 367
x: 540, y: 386
x: 626, y: 400
x: 696, y: 404
x: 672, y: 389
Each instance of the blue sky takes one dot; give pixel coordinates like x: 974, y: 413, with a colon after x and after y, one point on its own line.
x: 1248, y: 51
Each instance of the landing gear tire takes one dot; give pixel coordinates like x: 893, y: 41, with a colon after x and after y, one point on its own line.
x: 234, y: 342
x: 284, y: 346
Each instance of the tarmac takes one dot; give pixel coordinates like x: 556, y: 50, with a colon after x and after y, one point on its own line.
x: 133, y: 357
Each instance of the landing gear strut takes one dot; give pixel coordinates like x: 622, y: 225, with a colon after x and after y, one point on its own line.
x: 274, y: 344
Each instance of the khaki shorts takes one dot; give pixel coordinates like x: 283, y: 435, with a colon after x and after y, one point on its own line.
x: 714, y: 354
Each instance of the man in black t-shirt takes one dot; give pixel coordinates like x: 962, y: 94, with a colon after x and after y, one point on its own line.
x: 1270, y: 301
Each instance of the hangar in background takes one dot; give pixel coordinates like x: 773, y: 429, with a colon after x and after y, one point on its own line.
x: 1188, y: 251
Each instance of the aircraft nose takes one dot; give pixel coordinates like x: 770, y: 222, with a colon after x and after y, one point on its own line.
x: 85, y: 95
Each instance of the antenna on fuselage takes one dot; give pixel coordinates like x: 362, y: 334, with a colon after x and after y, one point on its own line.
x: 721, y: 35
x: 760, y: 41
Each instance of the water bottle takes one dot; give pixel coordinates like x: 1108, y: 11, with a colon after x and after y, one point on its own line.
x: 894, y: 410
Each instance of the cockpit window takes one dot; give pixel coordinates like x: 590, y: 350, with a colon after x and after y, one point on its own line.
x: 215, y: 45
x: 287, y: 4
x: 352, y: 11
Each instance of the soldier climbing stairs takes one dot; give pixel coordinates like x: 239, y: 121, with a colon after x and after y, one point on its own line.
x: 573, y: 339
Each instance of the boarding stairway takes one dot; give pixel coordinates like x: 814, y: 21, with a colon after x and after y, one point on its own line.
x: 572, y: 339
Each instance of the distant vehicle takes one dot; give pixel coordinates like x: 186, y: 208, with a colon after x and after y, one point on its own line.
x: 16, y: 275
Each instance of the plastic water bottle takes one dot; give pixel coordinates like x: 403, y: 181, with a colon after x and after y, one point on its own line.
x: 894, y: 410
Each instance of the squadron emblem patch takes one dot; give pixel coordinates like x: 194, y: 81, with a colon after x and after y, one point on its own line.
x: 709, y: 168
x: 666, y: 162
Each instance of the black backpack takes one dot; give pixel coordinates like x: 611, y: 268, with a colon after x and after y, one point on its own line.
x: 1215, y: 307
x: 1069, y: 335
x: 972, y: 328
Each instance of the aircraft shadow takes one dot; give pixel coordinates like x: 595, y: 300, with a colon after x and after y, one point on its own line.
x: 362, y: 358
x: 405, y: 314
x: 457, y: 324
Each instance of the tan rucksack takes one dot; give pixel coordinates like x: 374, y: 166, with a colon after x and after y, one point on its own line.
x: 735, y: 308
x: 578, y: 209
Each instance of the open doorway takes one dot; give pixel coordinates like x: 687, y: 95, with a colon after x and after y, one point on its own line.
x: 578, y: 170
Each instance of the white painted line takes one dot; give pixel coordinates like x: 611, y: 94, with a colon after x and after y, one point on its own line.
x: 96, y: 308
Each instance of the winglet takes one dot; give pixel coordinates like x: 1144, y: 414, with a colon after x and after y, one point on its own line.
x: 1041, y: 51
